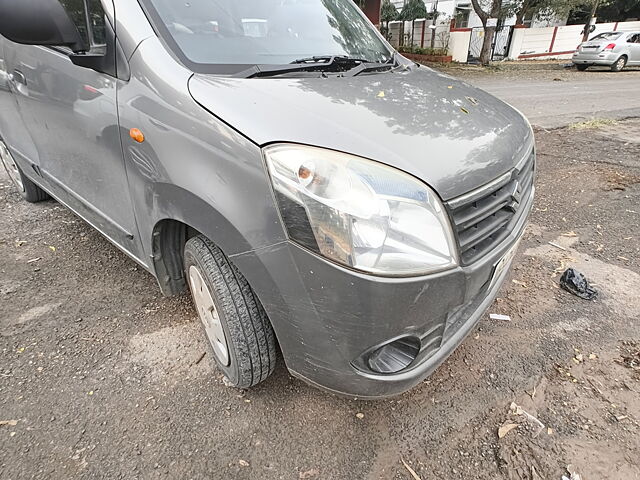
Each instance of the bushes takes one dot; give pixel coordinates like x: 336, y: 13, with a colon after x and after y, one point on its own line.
x: 423, y: 51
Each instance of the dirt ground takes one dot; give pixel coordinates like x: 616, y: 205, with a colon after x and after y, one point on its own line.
x: 100, y: 377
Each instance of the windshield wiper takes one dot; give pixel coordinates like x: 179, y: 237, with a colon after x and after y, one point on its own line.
x: 331, y: 60
x: 258, y: 71
x: 324, y: 63
x: 390, y: 64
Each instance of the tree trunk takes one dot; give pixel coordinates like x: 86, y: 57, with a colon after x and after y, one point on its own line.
x: 587, y: 25
x: 489, y: 32
x: 433, y: 34
x: 522, y: 12
x: 485, y: 53
x: 435, y: 24
x: 413, y: 27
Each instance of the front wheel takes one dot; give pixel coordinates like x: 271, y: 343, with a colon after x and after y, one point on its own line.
x: 582, y: 68
x: 240, y: 335
x: 619, y: 65
x: 29, y: 190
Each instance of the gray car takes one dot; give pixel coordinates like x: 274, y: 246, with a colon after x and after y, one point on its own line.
x: 316, y: 192
x: 612, y: 49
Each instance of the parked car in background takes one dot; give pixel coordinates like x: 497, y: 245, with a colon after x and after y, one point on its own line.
x: 310, y: 186
x: 612, y: 49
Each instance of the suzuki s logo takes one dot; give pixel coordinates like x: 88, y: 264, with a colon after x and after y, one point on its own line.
x: 516, y: 196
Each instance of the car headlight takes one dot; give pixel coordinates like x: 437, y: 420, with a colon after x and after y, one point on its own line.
x: 360, y: 213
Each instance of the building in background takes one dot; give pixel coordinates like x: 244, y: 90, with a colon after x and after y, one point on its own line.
x: 372, y: 9
x: 465, y: 17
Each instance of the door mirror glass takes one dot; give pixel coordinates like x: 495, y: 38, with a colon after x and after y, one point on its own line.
x: 40, y: 22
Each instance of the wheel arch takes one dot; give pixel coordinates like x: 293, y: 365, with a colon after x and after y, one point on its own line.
x: 178, y: 215
x: 168, y: 240
x: 626, y: 60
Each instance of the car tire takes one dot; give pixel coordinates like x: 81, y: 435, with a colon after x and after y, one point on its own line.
x: 582, y: 68
x: 29, y: 190
x: 238, y: 331
x: 620, y: 64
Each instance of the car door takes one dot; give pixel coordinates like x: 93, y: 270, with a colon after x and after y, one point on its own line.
x: 71, y: 114
x: 12, y: 129
x: 634, y: 49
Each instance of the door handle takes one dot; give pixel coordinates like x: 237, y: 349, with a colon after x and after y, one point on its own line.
x: 18, y: 77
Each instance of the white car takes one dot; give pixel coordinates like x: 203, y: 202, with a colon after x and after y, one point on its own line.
x: 612, y: 49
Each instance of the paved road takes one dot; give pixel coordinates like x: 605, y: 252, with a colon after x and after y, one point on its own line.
x: 571, y: 97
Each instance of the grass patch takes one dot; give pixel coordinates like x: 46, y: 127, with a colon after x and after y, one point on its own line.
x: 593, y: 123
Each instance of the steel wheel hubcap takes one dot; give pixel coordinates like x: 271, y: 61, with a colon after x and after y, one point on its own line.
x: 10, y: 166
x: 209, y: 316
x: 621, y: 63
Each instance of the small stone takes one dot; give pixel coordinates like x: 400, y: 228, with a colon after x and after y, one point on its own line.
x: 360, y: 415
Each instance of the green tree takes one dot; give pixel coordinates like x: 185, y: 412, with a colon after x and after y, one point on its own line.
x: 388, y: 12
x: 619, y: 10
x: 411, y: 11
x: 577, y: 11
x: 607, y: 10
x: 537, y: 8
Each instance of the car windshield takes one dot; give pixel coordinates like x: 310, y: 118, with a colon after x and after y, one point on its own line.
x: 606, y: 36
x: 210, y: 34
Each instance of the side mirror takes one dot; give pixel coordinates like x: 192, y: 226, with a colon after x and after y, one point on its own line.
x: 39, y: 22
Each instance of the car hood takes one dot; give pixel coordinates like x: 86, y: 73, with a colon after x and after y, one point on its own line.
x: 453, y: 136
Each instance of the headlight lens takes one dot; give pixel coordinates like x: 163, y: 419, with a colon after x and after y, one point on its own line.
x: 360, y: 213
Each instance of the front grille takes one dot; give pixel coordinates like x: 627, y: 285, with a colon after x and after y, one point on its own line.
x: 485, y: 217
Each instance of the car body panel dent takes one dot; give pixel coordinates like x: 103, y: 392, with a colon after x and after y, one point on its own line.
x: 191, y: 167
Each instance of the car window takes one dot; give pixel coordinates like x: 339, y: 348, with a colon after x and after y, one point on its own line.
x: 89, y: 19
x: 606, y: 36
x: 251, y: 32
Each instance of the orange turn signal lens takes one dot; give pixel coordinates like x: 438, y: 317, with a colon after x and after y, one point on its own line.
x: 137, y: 135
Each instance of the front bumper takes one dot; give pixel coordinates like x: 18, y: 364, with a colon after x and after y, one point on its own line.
x: 603, y: 58
x: 325, y: 316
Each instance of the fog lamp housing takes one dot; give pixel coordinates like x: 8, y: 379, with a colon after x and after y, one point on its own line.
x: 392, y: 357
